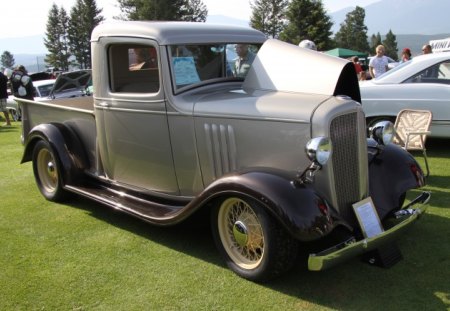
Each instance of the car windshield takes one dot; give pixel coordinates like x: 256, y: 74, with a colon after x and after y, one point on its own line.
x: 44, y: 90
x: 391, y: 71
x: 198, y: 64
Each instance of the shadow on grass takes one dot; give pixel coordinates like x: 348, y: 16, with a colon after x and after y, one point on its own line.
x: 5, y: 128
x: 193, y: 236
x: 418, y: 282
x: 413, y: 284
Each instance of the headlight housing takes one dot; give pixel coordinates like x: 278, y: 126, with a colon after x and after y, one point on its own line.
x: 319, y: 149
x: 383, y: 132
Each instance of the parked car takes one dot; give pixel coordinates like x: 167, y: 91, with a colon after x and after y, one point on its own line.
x: 421, y: 83
x: 42, y: 89
x: 71, y: 84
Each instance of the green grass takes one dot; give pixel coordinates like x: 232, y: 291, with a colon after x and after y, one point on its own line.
x: 84, y: 256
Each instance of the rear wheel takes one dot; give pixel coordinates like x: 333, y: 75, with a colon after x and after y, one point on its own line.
x: 253, y: 244
x: 47, y: 172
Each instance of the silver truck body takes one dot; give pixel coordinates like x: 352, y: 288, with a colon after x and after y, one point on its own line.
x: 164, y: 142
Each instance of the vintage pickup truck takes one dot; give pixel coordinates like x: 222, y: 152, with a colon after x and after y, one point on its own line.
x: 280, y: 158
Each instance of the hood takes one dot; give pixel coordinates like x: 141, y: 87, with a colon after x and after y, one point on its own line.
x: 71, y: 84
x: 285, y: 67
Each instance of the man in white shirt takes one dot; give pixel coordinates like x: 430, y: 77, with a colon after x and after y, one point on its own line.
x: 378, y: 64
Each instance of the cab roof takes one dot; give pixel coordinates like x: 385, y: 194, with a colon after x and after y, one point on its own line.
x: 169, y: 33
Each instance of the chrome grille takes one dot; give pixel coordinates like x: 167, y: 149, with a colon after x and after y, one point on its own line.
x: 344, y: 135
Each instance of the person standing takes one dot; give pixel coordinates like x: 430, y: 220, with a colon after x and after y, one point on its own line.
x: 426, y: 49
x: 406, y: 55
x: 358, y: 68
x: 21, y: 83
x: 4, y: 96
x: 308, y: 44
x: 243, y: 60
x: 379, y: 63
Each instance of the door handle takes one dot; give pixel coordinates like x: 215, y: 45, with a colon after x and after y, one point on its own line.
x: 104, y: 104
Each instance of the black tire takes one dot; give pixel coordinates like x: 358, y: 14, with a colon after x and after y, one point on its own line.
x: 370, y: 122
x: 253, y: 245
x: 47, y: 172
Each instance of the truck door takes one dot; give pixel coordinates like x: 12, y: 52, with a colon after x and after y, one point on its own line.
x: 133, y: 137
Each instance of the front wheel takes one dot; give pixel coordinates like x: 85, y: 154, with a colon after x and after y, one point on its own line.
x: 47, y: 172
x: 253, y: 244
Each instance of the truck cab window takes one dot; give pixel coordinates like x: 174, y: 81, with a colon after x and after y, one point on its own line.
x: 134, y: 69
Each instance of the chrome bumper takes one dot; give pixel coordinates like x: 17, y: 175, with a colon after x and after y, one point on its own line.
x: 352, y: 248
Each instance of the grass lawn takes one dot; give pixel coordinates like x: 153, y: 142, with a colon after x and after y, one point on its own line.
x: 84, y: 256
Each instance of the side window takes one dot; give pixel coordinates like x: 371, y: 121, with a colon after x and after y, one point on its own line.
x: 439, y: 73
x: 133, y: 68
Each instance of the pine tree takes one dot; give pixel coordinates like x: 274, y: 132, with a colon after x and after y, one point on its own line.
x: 195, y: 11
x: 168, y: 10
x: 56, y: 40
x: 268, y: 16
x: 84, y: 16
x: 374, y: 42
x: 390, y: 43
x: 353, y: 32
x: 308, y: 20
x: 7, y: 60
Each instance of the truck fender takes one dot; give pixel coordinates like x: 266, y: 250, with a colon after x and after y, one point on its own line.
x: 299, y: 209
x: 65, y: 144
x: 392, y: 172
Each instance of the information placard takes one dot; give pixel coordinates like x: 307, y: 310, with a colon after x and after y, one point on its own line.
x: 368, y: 218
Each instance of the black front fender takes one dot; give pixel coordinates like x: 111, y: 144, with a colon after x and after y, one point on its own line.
x: 392, y: 172
x: 299, y: 209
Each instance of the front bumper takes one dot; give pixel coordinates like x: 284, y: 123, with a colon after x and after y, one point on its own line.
x: 352, y: 248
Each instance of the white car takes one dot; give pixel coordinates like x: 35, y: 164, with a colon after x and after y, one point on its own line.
x: 42, y: 89
x: 421, y: 83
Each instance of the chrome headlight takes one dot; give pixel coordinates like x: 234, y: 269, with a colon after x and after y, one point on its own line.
x: 319, y: 150
x: 383, y: 132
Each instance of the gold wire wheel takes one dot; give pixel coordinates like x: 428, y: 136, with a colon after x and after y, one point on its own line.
x: 241, y: 233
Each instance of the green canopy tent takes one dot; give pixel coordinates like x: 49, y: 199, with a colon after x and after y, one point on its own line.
x: 345, y: 53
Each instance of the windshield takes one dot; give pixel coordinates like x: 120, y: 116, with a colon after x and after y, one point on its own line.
x: 389, y: 72
x: 199, y: 64
x: 44, y: 90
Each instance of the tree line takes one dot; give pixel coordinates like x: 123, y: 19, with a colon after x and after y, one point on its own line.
x: 67, y: 36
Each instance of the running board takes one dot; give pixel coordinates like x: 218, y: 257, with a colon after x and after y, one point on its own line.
x: 150, y: 211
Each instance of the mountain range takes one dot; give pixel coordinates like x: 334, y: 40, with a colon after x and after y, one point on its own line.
x: 414, y: 22
x: 426, y: 17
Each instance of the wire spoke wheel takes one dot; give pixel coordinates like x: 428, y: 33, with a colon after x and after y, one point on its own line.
x: 252, y: 243
x: 241, y: 233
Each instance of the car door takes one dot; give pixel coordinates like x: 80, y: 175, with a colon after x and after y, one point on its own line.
x: 430, y: 90
x: 133, y: 136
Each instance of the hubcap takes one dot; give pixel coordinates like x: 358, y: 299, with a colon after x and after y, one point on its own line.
x: 240, y: 233
x: 48, y: 173
x: 50, y: 168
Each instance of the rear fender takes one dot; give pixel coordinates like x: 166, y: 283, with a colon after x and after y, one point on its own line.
x: 298, y: 208
x: 64, y: 143
x: 392, y: 172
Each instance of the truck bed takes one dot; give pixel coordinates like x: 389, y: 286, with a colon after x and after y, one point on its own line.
x: 84, y: 102
x: 76, y: 113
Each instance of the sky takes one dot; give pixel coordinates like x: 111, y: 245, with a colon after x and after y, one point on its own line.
x: 29, y: 17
